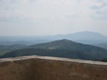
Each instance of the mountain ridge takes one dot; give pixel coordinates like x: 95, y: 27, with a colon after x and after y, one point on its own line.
x: 62, y: 48
x: 85, y: 37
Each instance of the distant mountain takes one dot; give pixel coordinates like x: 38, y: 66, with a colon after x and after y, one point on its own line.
x: 62, y: 48
x: 85, y: 37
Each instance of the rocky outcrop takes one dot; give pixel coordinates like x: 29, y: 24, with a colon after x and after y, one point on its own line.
x: 51, y: 68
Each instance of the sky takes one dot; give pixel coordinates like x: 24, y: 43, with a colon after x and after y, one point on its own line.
x: 52, y: 17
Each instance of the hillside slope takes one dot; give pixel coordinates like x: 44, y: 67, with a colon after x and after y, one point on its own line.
x: 103, y: 45
x: 62, y: 48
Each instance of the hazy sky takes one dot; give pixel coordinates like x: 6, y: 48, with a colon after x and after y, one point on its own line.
x: 51, y: 17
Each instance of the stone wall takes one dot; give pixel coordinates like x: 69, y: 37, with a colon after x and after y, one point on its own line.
x: 49, y: 68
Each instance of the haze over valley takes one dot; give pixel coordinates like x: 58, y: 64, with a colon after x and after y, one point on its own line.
x: 82, y: 45
x: 62, y: 28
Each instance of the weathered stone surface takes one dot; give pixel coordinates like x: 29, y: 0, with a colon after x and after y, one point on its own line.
x: 49, y: 68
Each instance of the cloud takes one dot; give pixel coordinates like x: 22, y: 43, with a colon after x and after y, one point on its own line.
x: 97, y: 5
x: 58, y: 16
x: 42, y: 8
x: 99, y: 8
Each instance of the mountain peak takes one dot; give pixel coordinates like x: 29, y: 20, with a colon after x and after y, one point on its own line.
x: 63, y: 40
x: 55, y: 44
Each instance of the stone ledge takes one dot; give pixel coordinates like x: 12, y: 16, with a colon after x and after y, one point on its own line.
x: 51, y: 68
x: 52, y: 58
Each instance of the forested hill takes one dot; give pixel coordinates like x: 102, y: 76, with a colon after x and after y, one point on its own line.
x: 62, y: 48
x: 67, y: 44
